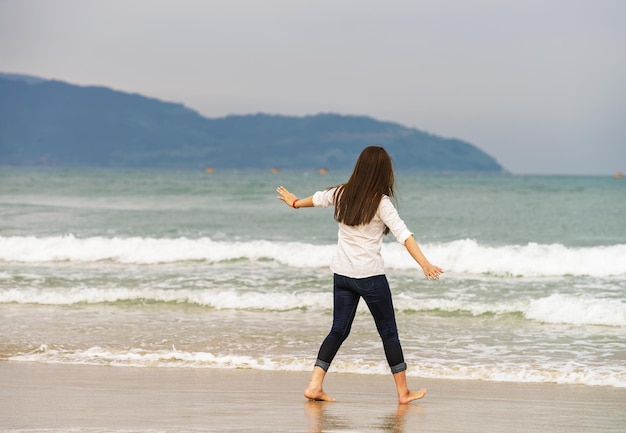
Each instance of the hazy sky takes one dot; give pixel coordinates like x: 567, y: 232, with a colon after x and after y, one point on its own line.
x: 539, y: 84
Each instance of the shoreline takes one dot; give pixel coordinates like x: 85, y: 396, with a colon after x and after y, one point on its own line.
x: 59, y: 397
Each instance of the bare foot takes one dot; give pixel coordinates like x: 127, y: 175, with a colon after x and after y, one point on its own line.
x: 412, y: 396
x: 317, y: 394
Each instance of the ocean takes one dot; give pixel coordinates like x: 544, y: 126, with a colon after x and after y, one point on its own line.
x: 186, y: 269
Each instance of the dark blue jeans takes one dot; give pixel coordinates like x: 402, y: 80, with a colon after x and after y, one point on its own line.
x: 347, y: 293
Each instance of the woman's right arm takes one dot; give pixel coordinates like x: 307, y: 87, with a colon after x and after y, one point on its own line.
x: 292, y: 200
x: 323, y: 198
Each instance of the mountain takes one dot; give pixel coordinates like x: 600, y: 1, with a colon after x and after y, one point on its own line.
x: 53, y: 122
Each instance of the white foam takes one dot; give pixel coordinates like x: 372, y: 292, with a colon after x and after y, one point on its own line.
x: 218, y: 299
x: 562, y: 373
x: 462, y: 256
x: 581, y: 310
x: 532, y: 260
x: 165, y: 358
x: 567, y: 373
x: 556, y: 308
x: 407, y: 302
x: 150, y: 250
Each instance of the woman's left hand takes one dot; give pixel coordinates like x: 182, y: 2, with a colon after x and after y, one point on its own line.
x: 432, y: 272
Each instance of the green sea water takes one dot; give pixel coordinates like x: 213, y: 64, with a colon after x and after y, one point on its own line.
x: 190, y: 269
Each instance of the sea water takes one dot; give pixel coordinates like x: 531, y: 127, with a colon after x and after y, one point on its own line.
x: 187, y: 269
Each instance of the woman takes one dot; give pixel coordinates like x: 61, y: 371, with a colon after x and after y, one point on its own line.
x: 364, y: 212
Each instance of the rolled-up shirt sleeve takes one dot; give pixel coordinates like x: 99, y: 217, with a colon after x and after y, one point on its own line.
x: 389, y: 215
x: 324, y: 198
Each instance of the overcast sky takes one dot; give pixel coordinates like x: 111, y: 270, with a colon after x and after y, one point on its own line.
x: 538, y: 84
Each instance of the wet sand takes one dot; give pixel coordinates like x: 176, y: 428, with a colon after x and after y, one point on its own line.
x: 51, y: 397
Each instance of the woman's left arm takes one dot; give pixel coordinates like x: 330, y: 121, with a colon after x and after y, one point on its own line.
x: 391, y: 218
x: 430, y: 271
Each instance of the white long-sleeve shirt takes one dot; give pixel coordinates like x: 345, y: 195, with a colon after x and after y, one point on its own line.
x: 358, y: 247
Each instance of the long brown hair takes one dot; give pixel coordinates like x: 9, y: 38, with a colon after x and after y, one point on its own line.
x: 357, y: 200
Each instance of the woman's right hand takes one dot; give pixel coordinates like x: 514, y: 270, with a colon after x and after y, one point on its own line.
x: 286, y: 196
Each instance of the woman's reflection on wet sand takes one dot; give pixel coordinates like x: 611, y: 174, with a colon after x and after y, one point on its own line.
x: 327, y: 416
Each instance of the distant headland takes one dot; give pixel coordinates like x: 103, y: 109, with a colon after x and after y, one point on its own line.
x: 48, y: 122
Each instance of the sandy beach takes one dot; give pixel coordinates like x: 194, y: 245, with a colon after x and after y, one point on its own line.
x: 49, y: 397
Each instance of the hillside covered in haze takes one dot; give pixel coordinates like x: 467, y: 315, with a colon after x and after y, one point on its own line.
x: 56, y: 123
